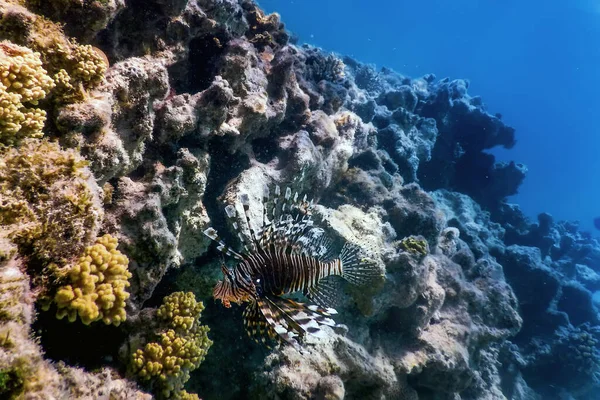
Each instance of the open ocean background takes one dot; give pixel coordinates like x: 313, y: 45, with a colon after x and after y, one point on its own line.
x: 535, y: 62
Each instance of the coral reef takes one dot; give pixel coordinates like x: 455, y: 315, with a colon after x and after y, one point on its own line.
x: 205, y: 100
x: 24, y: 371
x: 75, y: 68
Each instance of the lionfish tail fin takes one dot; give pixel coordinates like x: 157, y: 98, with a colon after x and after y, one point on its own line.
x: 358, y: 267
x: 327, y: 292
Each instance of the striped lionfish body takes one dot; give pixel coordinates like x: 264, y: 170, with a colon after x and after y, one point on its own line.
x: 287, y: 255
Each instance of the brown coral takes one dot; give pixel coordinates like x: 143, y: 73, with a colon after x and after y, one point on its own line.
x: 49, y: 202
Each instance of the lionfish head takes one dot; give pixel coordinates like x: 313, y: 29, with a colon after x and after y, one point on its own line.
x: 228, y: 291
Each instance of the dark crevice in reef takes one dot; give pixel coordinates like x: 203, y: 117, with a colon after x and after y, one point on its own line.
x: 138, y: 173
x: 224, y: 166
x: 88, y: 346
x: 265, y: 149
x: 198, y: 71
x: 228, y: 335
x: 168, y: 283
x: 139, y: 18
x: 577, y: 303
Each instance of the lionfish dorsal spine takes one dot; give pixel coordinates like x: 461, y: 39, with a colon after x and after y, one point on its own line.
x: 222, y: 247
x: 231, y: 214
x: 245, y: 200
x: 265, y: 200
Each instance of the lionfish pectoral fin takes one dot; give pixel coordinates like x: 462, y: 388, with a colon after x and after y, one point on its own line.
x: 292, y: 319
x: 286, y: 329
x: 309, y: 317
x: 327, y: 292
x: 358, y: 268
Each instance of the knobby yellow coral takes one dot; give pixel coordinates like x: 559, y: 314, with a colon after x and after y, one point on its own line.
x: 181, y: 310
x: 98, y: 288
x: 180, y: 348
x: 23, y: 83
x: 74, y: 67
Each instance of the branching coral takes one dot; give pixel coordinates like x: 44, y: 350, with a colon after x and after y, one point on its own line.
x: 49, y: 204
x: 98, y: 285
x: 23, y: 82
x: 325, y: 67
x: 180, y: 348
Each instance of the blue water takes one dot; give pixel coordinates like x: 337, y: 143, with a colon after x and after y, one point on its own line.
x: 535, y: 62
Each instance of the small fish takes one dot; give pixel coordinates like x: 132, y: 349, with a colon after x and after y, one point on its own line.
x: 289, y: 254
x: 597, y: 223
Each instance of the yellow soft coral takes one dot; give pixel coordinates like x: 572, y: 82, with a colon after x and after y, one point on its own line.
x: 98, y: 289
x: 23, y: 83
x: 89, y: 65
x: 179, y: 349
x: 181, y: 310
x: 75, y: 68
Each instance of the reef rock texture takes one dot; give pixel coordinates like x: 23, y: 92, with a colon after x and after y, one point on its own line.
x: 163, y: 112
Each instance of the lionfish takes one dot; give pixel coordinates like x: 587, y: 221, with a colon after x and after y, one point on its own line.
x: 287, y: 255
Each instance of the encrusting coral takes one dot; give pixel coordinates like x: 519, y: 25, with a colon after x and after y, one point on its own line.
x: 23, y: 83
x: 180, y: 348
x: 49, y: 203
x: 98, y: 285
x: 577, y: 350
x: 414, y: 245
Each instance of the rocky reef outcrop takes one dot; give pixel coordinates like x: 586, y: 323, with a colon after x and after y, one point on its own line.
x: 152, y: 116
